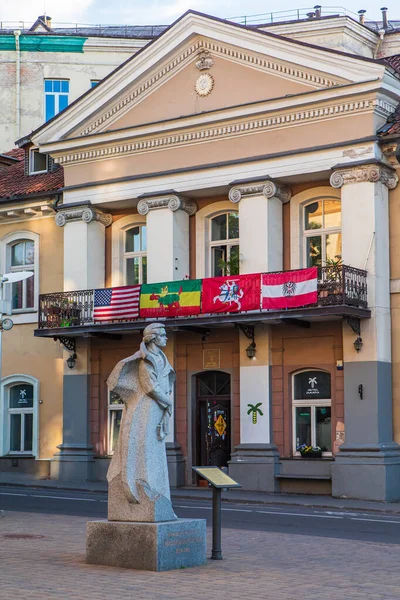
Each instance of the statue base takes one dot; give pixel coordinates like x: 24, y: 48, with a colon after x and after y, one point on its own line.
x: 147, y: 546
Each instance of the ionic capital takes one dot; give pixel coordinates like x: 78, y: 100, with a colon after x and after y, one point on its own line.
x: 172, y: 202
x: 365, y: 173
x: 269, y: 189
x: 83, y: 212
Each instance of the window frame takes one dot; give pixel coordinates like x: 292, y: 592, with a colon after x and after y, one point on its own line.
x: 322, y: 232
x: 6, y: 384
x: 56, y: 95
x: 135, y: 254
x: 110, y: 409
x: 313, y: 404
x: 31, y: 170
x: 8, y: 241
x: 118, y: 229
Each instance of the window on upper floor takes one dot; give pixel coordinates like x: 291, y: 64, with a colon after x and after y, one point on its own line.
x: 56, y: 93
x: 38, y: 163
x: 322, y: 233
x: 21, y: 253
x: 224, y: 244
x: 135, y: 255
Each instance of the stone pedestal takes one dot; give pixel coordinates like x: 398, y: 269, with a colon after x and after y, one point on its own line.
x: 254, y: 466
x: 147, y: 546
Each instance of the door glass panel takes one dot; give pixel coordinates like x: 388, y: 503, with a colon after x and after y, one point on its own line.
x: 303, y: 425
x: 30, y: 248
x: 144, y: 269
x: 28, y: 432
x: 313, y: 216
x: 312, y: 385
x: 233, y: 226
x: 21, y: 396
x: 132, y: 270
x: 223, y: 384
x: 30, y: 292
x: 207, y: 384
x: 314, y: 256
x: 17, y: 254
x: 132, y: 240
x: 323, y: 428
x: 144, y: 238
x: 15, y: 433
x: 218, y: 256
x: 234, y: 261
x: 17, y: 290
x: 218, y: 228
x: 333, y: 248
x: 332, y: 213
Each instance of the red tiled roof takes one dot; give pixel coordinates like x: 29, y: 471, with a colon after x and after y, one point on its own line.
x: 393, y: 61
x: 392, y: 125
x: 14, y: 182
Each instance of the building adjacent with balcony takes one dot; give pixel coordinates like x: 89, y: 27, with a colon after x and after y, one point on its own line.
x: 218, y: 150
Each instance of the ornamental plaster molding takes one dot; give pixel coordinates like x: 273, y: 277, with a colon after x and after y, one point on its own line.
x: 267, y: 65
x: 238, y: 128
x: 205, y: 60
x: 174, y: 203
x: 364, y: 173
x: 84, y: 213
x: 269, y: 189
x: 391, y: 151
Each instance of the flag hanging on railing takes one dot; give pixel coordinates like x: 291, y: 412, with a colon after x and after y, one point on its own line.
x: 170, y: 299
x: 234, y: 293
x: 289, y: 289
x: 116, y: 303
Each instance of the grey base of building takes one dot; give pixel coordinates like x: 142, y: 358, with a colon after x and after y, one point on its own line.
x: 147, y: 546
x: 254, y: 466
x: 367, y: 473
x: 74, y: 462
x: 176, y: 465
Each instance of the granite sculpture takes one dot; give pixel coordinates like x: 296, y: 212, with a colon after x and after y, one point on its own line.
x: 138, y: 474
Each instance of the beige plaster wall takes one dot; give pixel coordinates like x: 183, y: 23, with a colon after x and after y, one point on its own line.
x: 39, y: 357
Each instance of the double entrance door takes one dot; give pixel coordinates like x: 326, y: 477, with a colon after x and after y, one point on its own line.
x: 213, y: 418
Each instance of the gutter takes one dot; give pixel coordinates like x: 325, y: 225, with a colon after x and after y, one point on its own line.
x: 17, y: 33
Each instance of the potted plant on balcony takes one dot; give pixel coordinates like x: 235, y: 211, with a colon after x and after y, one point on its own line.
x: 309, y: 451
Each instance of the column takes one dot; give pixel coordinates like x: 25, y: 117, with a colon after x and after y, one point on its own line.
x: 255, y: 461
x: 167, y: 220
x: 368, y: 463
x: 84, y: 268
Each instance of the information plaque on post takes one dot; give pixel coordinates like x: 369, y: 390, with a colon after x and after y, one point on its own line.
x: 219, y: 481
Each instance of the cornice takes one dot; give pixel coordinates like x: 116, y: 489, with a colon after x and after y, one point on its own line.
x: 268, y: 188
x: 364, y: 173
x: 222, y: 130
x: 212, y: 48
x: 173, y: 202
x: 84, y: 212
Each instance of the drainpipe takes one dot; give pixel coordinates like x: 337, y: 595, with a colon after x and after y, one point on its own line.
x: 380, y: 42
x: 17, y: 33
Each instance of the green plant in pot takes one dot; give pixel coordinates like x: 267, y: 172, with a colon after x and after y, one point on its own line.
x: 309, y: 451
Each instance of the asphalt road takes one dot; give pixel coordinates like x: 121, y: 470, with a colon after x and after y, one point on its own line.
x: 365, y: 526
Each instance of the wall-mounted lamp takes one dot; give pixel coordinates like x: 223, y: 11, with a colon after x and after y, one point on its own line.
x: 71, y: 361
x: 251, y: 350
x: 358, y: 343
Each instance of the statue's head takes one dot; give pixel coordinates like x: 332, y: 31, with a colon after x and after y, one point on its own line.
x: 155, y: 332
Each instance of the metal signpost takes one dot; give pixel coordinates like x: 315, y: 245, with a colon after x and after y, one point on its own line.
x: 219, y: 481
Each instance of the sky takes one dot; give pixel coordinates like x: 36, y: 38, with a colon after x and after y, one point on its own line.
x: 163, y: 12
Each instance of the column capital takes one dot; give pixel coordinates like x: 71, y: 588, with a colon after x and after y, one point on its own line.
x: 372, y: 173
x: 81, y: 212
x: 267, y: 188
x: 173, y: 202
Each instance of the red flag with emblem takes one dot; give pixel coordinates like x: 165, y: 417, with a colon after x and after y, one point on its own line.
x: 234, y: 293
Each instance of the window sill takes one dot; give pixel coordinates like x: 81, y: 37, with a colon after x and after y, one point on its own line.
x: 28, y: 316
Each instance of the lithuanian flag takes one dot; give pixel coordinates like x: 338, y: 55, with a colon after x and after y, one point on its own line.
x: 170, y: 299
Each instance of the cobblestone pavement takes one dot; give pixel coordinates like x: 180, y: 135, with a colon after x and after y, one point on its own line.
x: 258, y: 564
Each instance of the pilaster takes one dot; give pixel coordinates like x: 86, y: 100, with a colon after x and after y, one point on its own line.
x: 368, y: 463
x: 84, y: 245
x: 167, y: 219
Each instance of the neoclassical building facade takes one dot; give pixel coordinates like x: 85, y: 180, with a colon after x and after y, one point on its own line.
x: 223, y: 150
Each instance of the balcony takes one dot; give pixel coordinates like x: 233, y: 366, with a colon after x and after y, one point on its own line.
x: 341, y: 292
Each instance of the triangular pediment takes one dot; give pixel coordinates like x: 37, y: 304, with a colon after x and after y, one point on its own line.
x: 164, y: 81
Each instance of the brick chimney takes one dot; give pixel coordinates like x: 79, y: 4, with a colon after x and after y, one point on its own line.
x: 317, y: 9
x: 361, y: 16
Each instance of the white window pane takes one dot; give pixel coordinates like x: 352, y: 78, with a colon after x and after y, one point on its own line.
x: 314, y: 251
x: 233, y: 226
x: 28, y: 432
x: 133, y: 271
x: 219, y: 256
x: 218, y: 228
x: 15, y: 433
x: 313, y: 215
x: 132, y: 240
x: 233, y: 265
x: 21, y: 396
x: 332, y: 213
x: 303, y: 425
x: 39, y: 161
x: 323, y: 428
x: 144, y: 238
x: 29, y: 252
x: 17, y: 254
x: 333, y: 248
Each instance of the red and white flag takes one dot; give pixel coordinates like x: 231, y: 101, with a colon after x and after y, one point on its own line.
x: 119, y: 303
x: 289, y: 289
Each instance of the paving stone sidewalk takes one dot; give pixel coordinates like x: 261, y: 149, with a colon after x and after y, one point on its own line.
x: 260, y: 565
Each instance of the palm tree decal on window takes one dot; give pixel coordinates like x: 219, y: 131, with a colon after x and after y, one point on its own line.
x: 255, y: 409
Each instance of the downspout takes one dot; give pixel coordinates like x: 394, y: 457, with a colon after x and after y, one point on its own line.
x: 17, y: 33
x: 380, y: 42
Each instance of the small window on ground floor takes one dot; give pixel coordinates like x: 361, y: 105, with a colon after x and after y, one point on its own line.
x: 115, y: 409
x: 311, y: 405
x: 20, y: 418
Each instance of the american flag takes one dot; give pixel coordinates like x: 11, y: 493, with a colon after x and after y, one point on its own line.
x: 116, y: 303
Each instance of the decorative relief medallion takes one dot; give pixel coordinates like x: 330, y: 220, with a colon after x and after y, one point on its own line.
x: 204, y: 61
x: 204, y: 84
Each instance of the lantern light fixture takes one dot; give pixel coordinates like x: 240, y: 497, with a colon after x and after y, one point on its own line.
x: 358, y: 343
x: 251, y: 350
x: 71, y: 361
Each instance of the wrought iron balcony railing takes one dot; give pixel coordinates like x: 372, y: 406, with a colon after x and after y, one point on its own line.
x: 337, y: 286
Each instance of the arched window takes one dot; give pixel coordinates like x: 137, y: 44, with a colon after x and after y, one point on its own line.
x: 21, y: 253
x: 135, y: 255
x: 322, y: 233
x: 224, y: 244
x: 311, y: 402
x: 20, y: 415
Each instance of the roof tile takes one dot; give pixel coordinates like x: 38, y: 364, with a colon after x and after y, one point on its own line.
x: 14, y: 182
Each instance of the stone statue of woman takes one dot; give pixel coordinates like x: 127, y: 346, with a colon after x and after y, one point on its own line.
x: 138, y: 474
